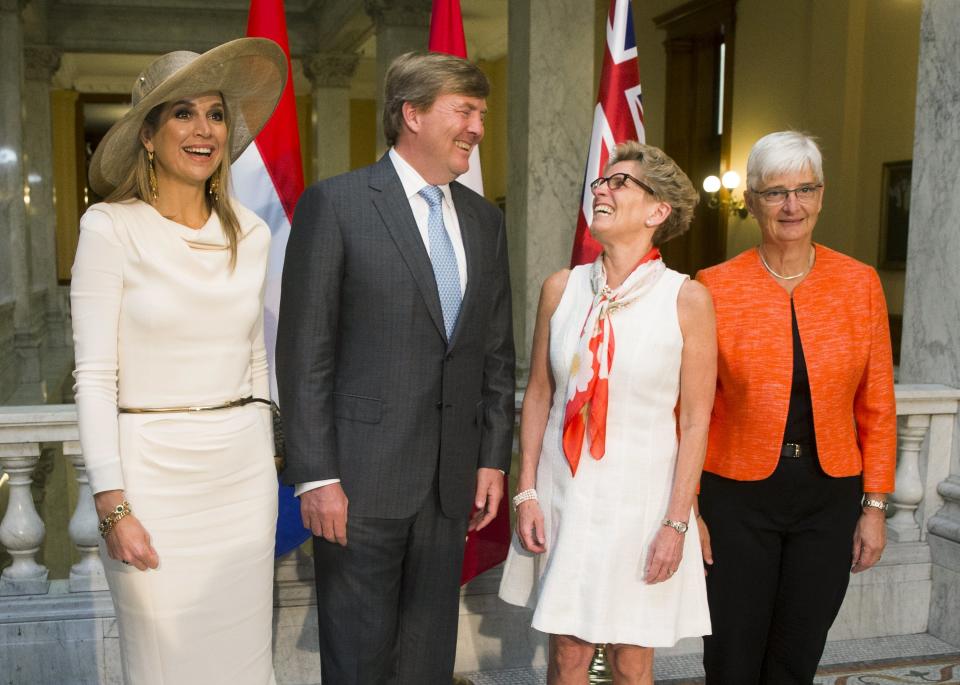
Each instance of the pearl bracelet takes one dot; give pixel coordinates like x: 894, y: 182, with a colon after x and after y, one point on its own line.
x: 524, y: 496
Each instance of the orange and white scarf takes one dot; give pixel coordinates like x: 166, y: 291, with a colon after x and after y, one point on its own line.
x: 587, y: 386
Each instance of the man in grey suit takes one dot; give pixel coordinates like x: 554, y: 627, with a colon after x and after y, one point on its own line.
x: 395, y: 364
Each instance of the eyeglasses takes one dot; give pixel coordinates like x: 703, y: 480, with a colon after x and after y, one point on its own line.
x: 775, y: 197
x: 616, y: 181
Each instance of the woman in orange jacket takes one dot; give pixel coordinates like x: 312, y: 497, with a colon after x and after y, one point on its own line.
x: 801, y: 452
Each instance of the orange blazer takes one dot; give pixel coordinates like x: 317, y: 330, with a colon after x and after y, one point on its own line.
x: 842, y: 318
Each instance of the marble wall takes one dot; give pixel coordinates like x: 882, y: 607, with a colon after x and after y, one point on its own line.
x: 8, y: 366
x: 931, y: 323
x: 39, y: 65
x: 401, y: 26
x: 551, y: 100
x: 29, y: 297
x: 330, y: 75
x: 13, y: 244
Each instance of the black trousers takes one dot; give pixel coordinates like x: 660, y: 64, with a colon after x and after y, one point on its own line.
x: 782, y: 550
x: 388, y: 602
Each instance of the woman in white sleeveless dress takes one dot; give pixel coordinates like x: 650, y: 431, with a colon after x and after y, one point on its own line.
x: 167, y: 297
x: 605, y: 551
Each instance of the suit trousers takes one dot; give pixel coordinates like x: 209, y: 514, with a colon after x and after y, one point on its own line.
x: 782, y: 550
x: 388, y: 602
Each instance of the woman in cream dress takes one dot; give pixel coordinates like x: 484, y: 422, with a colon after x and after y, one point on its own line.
x: 605, y: 550
x: 168, y: 328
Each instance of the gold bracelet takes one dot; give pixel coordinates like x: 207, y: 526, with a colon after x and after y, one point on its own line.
x: 110, y: 520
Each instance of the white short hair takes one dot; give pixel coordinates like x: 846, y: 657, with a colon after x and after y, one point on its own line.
x: 783, y: 152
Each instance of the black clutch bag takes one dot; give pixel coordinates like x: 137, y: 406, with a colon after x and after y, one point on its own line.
x: 279, y: 448
x: 279, y: 453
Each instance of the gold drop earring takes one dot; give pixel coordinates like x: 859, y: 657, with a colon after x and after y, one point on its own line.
x: 214, y: 188
x: 152, y: 178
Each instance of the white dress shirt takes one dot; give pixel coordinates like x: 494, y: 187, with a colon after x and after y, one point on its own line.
x: 413, y: 183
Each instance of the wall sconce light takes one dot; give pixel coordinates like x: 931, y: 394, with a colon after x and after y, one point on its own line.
x: 721, y: 193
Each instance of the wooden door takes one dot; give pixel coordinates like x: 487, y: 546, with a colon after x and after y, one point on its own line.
x: 699, y: 49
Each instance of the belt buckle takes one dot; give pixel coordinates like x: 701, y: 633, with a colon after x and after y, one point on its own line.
x: 796, y: 450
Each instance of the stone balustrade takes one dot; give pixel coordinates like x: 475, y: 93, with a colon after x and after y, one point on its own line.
x: 22, y: 430
x: 926, y: 420
x: 926, y: 414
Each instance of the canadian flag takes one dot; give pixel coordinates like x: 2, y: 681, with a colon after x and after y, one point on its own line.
x: 617, y: 117
x: 268, y: 179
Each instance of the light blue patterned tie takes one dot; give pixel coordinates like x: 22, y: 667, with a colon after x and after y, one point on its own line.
x: 444, y: 260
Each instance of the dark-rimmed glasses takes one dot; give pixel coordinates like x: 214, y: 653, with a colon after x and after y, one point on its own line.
x: 616, y: 181
x: 775, y: 197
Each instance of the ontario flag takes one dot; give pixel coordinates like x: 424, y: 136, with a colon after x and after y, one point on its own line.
x: 268, y: 178
x: 488, y: 547
x: 617, y: 117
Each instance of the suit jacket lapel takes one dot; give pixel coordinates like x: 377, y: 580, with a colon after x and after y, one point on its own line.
x: 394, y: 208
x: 470, y: 231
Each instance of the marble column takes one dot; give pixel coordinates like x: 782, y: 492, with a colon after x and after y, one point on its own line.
x: 401, y: 26
x: 931, y: 325
x: 40, y: 63
x: 551, y: 100
x: 15, y: 316
x: 330, y: 75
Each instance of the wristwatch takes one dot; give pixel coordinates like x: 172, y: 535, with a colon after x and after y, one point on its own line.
x: 679, y: 526
x: 875, y: 503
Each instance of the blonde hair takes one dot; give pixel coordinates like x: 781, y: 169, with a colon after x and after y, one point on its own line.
x: 668, y: 181
x: 136, y: 184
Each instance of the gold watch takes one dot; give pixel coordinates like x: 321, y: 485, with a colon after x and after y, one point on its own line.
x: 874, y: 503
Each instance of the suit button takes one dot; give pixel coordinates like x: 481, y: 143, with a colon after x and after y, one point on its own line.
x: 439, y: 405
x: 449, y: 356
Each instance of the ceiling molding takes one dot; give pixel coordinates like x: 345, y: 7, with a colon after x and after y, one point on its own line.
x: 138, y: 28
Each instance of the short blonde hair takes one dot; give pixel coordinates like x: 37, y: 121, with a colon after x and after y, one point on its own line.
x: 668, y: 181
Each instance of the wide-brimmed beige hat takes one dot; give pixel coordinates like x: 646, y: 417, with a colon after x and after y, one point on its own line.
x: 250, y: 73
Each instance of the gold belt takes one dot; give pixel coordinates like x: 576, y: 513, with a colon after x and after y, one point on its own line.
x: 208, y: 407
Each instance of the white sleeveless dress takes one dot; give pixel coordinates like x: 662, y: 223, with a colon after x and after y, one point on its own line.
x: 599, y: 524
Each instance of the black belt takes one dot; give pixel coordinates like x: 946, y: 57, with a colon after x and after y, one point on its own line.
x: 793, y: 450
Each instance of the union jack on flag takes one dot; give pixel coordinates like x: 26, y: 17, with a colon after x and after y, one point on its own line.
x: 617, y: 117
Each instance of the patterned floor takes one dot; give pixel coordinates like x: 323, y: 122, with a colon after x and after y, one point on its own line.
x: 901, y: 660
x: 943, y: 670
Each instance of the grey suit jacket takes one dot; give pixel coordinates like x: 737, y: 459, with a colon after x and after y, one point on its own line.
x: 371, y: 390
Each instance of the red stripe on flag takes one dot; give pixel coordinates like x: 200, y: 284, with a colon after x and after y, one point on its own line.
x: 488, y: 547
x: 611, y: 94
x: 585, y: 248
x: 446, y: 29
x: 617, y: 83
x: 279, y: 141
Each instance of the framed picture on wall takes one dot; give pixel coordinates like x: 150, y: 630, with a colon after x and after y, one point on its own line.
x: 895, y: 214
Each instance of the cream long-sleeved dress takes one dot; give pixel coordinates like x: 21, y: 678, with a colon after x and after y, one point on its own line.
x: 160, y: 320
